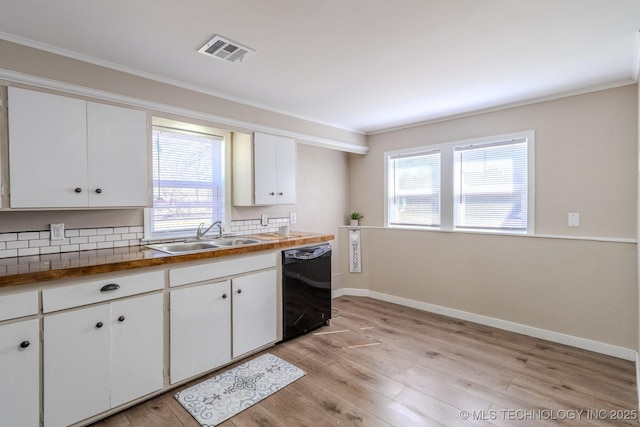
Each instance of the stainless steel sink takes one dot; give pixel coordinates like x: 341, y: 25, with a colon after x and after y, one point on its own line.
x: 236, y: 241
x: 178, y: 248
x: 184, y: 247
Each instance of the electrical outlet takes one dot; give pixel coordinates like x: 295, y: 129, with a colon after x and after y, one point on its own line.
x: 57, y: 231
x: 292, y: 218
x: 264, y: 220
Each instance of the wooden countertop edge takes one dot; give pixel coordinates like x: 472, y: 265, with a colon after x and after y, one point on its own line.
x: 159, y: 258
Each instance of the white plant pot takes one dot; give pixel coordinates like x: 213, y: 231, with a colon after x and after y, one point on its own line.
x: 354, y: 222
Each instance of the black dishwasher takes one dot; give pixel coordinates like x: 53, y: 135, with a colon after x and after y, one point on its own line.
x: 306, y: 289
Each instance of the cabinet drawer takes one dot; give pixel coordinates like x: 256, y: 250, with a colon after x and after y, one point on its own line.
x: 94, y: 291
x: 18, y: 305
x: 217, y: 269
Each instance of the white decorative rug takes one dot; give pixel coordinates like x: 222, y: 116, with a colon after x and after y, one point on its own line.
x: 223, y: 396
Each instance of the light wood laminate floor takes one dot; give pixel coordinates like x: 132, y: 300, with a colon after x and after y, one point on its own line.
x: 381, y: 364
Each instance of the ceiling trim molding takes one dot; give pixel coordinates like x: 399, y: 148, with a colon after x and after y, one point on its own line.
x: 44, y: 83
x: 584, y: 91
x: 133, y: 71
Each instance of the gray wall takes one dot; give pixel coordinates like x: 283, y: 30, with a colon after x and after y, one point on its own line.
x: 586, y: 162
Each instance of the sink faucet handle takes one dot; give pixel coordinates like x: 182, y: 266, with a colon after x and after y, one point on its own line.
x: 199, y: 232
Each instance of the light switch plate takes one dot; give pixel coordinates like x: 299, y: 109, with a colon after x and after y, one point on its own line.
x: 574, y: 219
x: 292, y: 218
x: 264, y: 220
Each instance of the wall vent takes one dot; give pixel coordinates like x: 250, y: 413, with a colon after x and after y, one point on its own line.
x: 225, y: 49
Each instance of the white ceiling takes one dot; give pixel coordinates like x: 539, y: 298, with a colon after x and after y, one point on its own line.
x: 362, y: 65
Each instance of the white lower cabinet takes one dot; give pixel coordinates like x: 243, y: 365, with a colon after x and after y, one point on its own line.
x: 254, y: 311
x: 213, y: 323
x: 200, y: 329
x: 20, y: 373
x: 99, y: 357
x: 97, y: 345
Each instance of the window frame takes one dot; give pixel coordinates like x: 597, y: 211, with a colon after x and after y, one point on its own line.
x: 447, y: 166
x: 225, y: 135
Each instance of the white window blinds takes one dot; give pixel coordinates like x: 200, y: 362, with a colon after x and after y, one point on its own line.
x: 490, y: 186
x: 414, y: 189
x: 188, y: 180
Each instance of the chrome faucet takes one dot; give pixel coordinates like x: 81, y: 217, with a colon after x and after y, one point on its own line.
x: 200, y: 233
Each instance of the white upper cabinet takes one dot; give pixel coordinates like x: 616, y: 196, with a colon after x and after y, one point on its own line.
x: 264, y: 170
x: 117, y: 153
x: 70, y: 153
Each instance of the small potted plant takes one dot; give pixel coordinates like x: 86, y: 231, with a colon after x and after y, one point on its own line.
x: 355, y: 217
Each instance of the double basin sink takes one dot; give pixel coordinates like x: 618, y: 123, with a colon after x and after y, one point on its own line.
x: 178, y: 248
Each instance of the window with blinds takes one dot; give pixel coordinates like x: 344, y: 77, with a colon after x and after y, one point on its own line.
x: 482, y: 185
x: 414, y: 189
x: 490, y: 186
x: 188, y: 181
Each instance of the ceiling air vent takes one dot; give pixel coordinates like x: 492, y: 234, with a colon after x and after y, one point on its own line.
x: 225, y: 49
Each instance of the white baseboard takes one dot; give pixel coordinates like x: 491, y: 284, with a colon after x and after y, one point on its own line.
x: 353, y: 292
x: 583, y: 343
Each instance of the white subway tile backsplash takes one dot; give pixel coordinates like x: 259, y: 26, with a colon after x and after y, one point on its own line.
x: 5, y: 237
x: 88, y: 246
x: 28, y: 251
x: 49, y: 250
x: 18, y: 244
x: 71, y: 233
x: 29, y: 235
x: 39, y: 243
x: 8, y: 253
x: 31, y: 243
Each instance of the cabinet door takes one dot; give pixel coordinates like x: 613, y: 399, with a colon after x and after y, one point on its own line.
x: 264, y: 168
x: 200, y: 329
x: 20, y: 373
x: 254, y: 311
x: 286, y: 171
x: 47, y: 150
x: 117, y: 153
x: 136, y: 347
x: 76, y: 365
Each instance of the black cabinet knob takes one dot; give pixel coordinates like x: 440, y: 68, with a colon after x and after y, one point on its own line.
x: 78, y: 190
x: 224, y: 296
x: 272, y: 194
x: 99, y: 325
x: 239, y: 291
x: 280, y: 194
x: 25, y: 344
x: 98, y: 190
x: 121, y: 319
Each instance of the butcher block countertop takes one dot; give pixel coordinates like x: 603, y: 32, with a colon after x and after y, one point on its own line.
x: 66, y: 265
